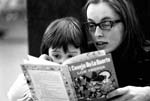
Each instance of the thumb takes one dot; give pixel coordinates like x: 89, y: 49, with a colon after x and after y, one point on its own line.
x: 45, y: 57
x: 117, y: 92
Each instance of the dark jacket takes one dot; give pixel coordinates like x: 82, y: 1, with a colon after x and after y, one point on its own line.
x: 133, y: 72
x: 132, y: 69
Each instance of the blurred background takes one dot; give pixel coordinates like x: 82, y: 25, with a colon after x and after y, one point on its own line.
x: 13, y: 42
x: 23, y: 22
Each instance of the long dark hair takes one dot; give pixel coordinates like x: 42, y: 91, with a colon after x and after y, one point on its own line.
x: 133, y: 38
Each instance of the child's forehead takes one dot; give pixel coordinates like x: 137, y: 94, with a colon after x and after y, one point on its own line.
x: 70, y: 48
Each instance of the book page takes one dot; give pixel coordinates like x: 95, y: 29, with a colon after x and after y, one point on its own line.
x: 45, y: 84
x: 34, y: 60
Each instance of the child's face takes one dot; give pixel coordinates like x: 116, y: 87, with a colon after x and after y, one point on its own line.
x: 59, y: 56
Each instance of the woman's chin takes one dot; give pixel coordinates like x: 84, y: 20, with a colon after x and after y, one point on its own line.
x: 106, y: 50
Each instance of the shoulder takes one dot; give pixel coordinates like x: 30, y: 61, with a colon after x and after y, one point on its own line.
x: 143, y: 62
x: 18, y: 89
x: 144, y: 54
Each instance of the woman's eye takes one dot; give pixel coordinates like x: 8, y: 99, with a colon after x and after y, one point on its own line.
x: 91, y: 25
x: 106, y: 25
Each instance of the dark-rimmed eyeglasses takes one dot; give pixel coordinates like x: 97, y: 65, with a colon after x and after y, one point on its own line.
x: 105, y: 25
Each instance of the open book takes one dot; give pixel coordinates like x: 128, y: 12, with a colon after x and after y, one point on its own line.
x: 89, y: 76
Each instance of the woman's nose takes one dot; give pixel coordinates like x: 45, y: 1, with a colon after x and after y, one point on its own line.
x: 98, y: 32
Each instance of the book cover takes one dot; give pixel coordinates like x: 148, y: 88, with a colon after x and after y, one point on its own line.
x: 94, y: 78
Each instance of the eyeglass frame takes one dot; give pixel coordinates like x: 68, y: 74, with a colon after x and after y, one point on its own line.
x: 100, y: 25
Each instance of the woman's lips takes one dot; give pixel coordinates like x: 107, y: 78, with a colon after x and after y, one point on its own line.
x: 101, y: 44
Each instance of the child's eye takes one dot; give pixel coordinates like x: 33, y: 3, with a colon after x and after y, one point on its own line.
x: 70, y: 56
x: 57, y: 56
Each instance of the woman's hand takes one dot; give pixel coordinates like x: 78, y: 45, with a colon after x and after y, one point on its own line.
x: 130, y: 93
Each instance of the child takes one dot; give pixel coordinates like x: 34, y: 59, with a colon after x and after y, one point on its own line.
x: 62, y: 40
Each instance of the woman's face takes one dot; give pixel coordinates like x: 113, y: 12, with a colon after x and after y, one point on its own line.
x: 109, y: 36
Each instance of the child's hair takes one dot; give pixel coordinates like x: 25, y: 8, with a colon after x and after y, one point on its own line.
x: 61, y: 33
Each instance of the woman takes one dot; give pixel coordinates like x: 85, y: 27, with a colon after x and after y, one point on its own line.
x: 115, y: 29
